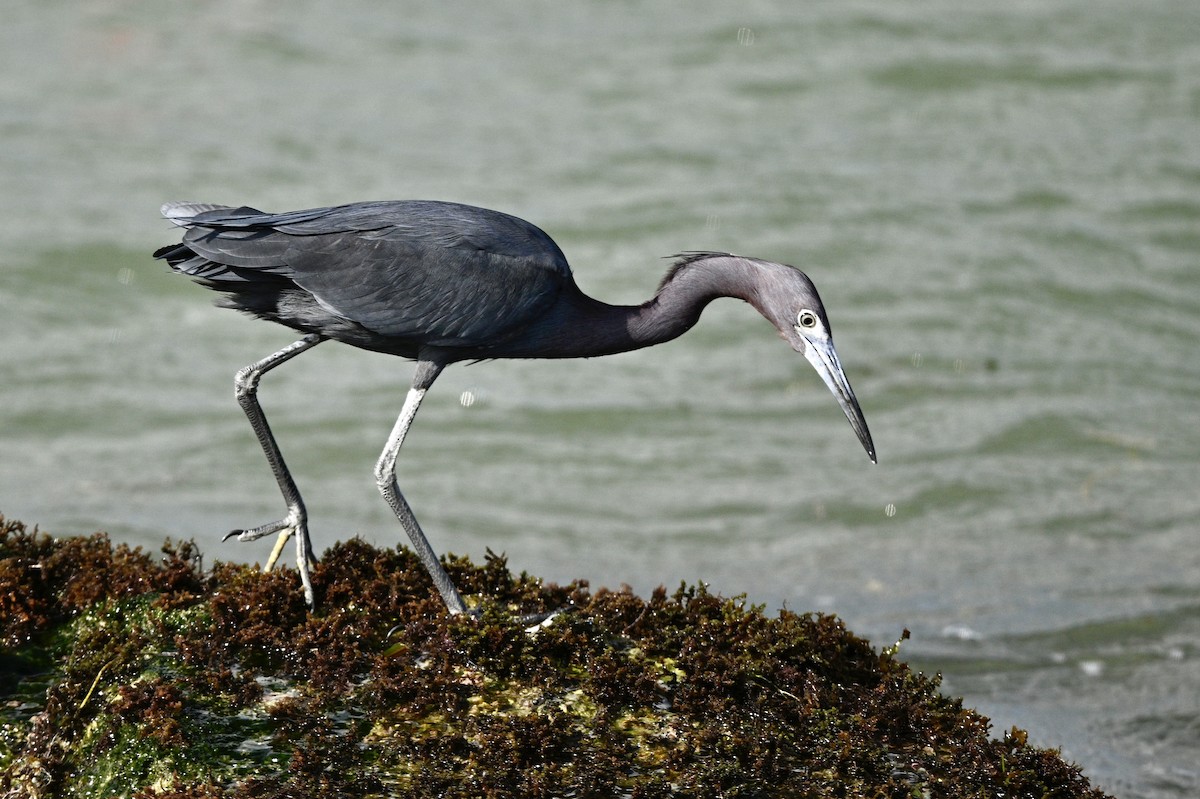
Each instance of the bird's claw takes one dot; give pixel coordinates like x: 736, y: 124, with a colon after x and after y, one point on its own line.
x: 255, y: 533
x: 532, y: 622
x: 290, y: 525
x: 294, y: 524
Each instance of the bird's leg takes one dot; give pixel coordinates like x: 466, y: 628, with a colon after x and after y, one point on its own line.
x: 245, y: 387
x: 385, y: 477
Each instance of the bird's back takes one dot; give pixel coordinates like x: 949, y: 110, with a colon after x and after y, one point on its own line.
x: 392, y: 276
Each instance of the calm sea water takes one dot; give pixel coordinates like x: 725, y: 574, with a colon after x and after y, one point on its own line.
x: 999, y: 203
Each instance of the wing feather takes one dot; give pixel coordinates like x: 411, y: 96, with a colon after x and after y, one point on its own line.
x: 439, y: 273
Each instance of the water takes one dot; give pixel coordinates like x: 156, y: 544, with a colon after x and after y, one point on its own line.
x: 1000, y: 205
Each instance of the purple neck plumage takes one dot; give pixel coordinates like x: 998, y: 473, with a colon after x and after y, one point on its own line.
x: 579, y: 326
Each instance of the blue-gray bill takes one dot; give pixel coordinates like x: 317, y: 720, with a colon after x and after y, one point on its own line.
x: 824, y: 358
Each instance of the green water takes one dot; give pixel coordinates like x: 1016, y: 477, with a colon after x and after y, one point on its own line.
x: 999, y: 203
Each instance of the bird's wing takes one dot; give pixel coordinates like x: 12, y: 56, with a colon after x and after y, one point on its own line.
x: 447, y: 274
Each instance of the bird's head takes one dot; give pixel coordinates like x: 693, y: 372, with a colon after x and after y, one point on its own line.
x: 789, y: 300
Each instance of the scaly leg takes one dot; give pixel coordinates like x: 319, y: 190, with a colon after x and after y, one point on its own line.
x: 385, y: 478
x: 296, y: 521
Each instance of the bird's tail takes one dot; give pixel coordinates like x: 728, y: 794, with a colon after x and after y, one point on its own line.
x: 182, y: 213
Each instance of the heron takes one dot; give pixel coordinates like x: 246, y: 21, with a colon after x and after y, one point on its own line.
x: 440, y: 283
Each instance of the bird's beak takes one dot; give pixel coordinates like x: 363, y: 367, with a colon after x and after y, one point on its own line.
x: 824, y: 359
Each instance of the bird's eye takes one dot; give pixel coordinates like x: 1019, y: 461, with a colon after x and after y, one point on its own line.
x: 806, y: 319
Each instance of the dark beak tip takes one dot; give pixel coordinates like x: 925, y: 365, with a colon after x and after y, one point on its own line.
x: 869, y: 446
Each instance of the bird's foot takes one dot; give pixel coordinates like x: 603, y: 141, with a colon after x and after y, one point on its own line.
x: 286, y: 528
x: 295, y: 523
x: 532, y: 622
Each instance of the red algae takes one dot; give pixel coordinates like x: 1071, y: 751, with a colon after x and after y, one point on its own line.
x: 155, y: 677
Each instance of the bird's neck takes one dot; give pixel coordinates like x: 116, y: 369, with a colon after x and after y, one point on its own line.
x: 581, y: 327
x: 684, y: 293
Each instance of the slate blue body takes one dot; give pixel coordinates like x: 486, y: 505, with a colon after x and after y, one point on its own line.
x: 387, y: 276
x: 440, y: 283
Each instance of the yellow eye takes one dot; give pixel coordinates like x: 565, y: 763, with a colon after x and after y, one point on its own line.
x: 806, y: 319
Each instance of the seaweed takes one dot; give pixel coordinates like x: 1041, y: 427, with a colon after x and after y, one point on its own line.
x: 125, y: 674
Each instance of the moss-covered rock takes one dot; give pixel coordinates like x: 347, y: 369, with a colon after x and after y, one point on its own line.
x: 127, y: 675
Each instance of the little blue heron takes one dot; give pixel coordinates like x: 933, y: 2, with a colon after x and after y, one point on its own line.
x: 439, y: 283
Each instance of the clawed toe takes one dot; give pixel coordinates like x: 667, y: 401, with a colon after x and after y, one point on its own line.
x: 294, y: 525
x: 283, y: 525
x: 532, y: 622
x: 286, y: 528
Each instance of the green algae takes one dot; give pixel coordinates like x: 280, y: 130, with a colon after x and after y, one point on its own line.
x: 126, y: 675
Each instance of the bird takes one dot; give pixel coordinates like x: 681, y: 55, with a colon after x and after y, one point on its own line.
x: 440, y: 283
